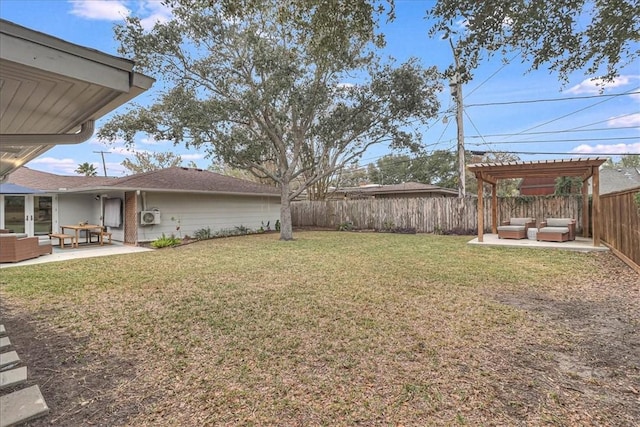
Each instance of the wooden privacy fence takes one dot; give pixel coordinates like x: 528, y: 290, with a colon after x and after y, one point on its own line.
x: 621, y: 225
x: 430, y: 214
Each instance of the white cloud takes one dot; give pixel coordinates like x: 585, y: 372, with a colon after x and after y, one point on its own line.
x: 625, y: 121
x: 154, y: 12
x: 595, y: 86
x: 64, y: 166
x: 109, y: 10
x: 195, y: 156
x: 609, y: 149
x: 152, y: 141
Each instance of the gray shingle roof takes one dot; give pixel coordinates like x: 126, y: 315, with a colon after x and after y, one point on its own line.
x: 618, y: 179
x: 170, y: 179
x: 51, y: 182
x: 406, y: 187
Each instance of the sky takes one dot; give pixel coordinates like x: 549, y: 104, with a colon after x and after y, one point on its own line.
x: 506, y: 108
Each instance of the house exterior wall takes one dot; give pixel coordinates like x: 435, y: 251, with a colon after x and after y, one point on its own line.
x: 75, y: 208
x: 192, y: 212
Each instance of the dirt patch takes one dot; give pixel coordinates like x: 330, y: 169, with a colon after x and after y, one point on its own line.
x: 595, y: 365
x: 81, y: 388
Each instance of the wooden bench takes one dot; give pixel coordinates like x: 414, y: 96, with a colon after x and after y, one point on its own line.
x: 61, y: 237
x: 100, y: 235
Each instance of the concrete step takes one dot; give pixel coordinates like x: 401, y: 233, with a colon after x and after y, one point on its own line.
x: 13, y: 377
x: 3, y: 331
x: 22, y: 406
x: 8, y: 359
x: 5, y: 342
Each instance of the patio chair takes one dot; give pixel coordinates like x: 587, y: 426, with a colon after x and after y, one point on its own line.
x: 100, y: 235
x: 515, y: 228
x: 557, y: 230
x: 15, y: 247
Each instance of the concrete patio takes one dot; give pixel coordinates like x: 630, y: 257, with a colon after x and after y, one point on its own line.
x: 87, y: 251
x: 582, y: 244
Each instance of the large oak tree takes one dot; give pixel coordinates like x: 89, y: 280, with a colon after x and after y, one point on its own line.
x: 597, y: 37
x: 297, y: 86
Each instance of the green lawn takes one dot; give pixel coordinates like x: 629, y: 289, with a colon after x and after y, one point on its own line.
x: 330, y: 329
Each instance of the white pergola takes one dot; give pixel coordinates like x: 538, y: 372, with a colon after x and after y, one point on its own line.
x: 53, y: 91
x: 585, y: 169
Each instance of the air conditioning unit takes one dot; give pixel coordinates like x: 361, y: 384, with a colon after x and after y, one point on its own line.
x: 149, y: 217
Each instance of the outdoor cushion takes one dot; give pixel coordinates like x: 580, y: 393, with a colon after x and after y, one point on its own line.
x: 520, y: 221
x: 13, y: 235
x: 558, y: 222
x: 511, y: 227
x: 554, y: 230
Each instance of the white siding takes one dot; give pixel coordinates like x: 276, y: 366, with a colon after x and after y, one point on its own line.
x: 75, y: 208
x: 196, y: 211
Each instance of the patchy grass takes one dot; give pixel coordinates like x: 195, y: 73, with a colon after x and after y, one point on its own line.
x: 333, y: 329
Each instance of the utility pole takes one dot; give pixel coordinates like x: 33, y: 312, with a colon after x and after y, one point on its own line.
x: 104, y: 165
x: 455, y: 84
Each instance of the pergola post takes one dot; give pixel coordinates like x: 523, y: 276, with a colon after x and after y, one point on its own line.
x: 494, y: 208
x: 585, y: 208
x: 480, y: 208
x: 595, y: 215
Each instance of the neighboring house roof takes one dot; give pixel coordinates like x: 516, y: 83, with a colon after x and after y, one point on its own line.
x: 404, y: 188
x: 51, y: 88
x: 175, y: 179
x: 618, y: 179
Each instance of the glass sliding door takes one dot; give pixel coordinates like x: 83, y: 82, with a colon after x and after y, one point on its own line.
x: 42, y: 215
x: 27, y: 214
x: 15, y: 215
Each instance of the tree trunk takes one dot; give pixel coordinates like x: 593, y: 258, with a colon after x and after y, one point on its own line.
x: 286, y: 226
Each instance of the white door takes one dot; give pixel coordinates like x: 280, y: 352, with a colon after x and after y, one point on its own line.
x: 31, y: 214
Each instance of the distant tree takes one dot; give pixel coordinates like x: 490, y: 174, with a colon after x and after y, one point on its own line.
x: 391, y: 169
x: 267, y: 82
x: 505, y: 187
x: 352, y: 175
x: 626, y: 161
x: 630, y: 161
x: 440, y: 167
x: 568, y: 185
x: 86, y: 169
x: 145, y: 161
x: 436, y: 168
x: 597, y: 37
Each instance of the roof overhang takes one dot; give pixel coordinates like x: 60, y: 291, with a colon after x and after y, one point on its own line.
x: 492, y: 172
x: 52, y: 92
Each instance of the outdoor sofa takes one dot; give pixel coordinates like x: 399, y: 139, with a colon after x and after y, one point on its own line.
x: 15, y: 247
x: 557, y: 230
x: 515, y: 228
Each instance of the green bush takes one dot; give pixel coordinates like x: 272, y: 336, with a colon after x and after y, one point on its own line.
x: 164, y: 241
x: 203, y: 234
x: 346, y: 226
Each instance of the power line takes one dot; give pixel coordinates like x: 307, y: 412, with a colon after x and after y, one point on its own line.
x: 569, y: 114
x: 570, y: 154
x: 532, y: 101
x: 552, y: 132
x: 556, y: 140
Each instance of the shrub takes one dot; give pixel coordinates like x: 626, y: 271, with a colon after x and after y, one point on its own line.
x: 399, y: 230
x: 203, y: 234
x: 164, y: 241
x: 277, y: 225
x: 346, y: 226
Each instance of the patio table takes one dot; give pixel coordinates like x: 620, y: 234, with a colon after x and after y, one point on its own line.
x: 77, y: 228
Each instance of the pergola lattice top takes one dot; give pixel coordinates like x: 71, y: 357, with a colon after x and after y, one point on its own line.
x: 583, y: 168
